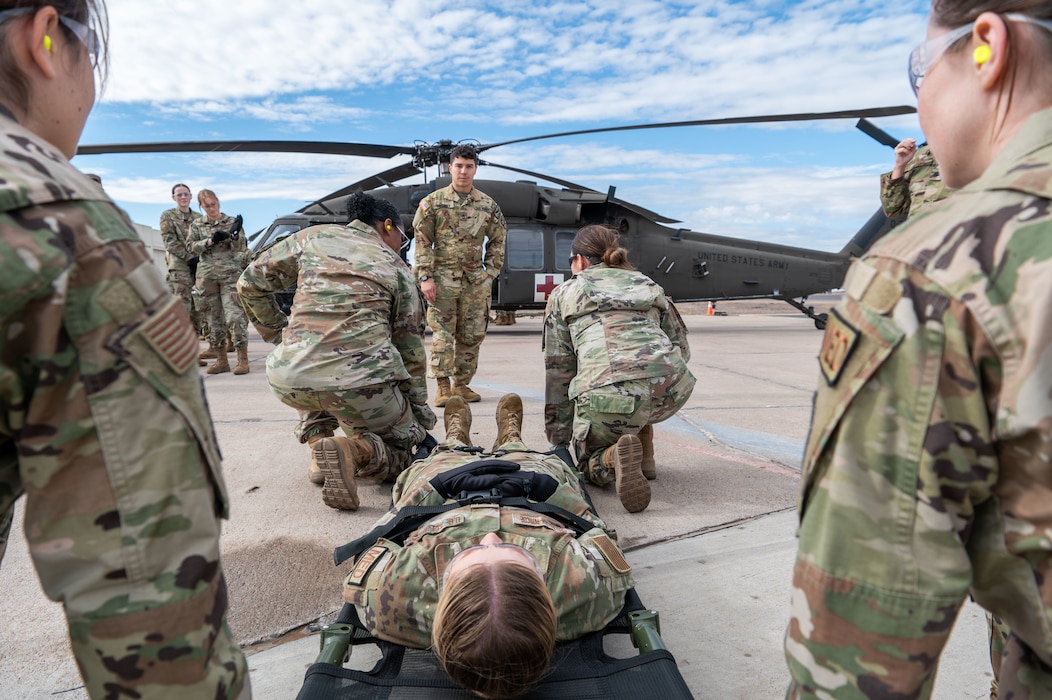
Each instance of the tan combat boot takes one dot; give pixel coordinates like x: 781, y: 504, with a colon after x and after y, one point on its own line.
x: 314, y: 471
x: 465, y: 392
x: 210, y: 354
x: 201, y: 361
x: 647, y: 464
x: 443, y: 393
x: 457, y: 419
x: 624, y: 459
x: 229, y: 344
x: 509, y: 420
x: 221, y: 365
x: 242, y: 361
x: 339, y: 458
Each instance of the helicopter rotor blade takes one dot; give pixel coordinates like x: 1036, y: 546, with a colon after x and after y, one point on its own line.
x: 876, y: 133
x: 548, y: 178
x: 386, y: 178
x: 761, y: 119
x: 322, y: 147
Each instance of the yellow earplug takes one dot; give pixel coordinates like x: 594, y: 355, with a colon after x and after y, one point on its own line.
x: 389, y: 227
x: 982, y: 54
x: 47, y: 43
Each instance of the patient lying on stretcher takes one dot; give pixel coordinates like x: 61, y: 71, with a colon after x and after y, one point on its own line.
x: 507, y: 558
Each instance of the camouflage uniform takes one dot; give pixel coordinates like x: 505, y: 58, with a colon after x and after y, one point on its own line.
x: 104, y: 428
x: 919, y: 185
x: 449, y: 230
x: 926, y: 475
x: 175, y: 231
x: 217, y: 271
x: 395, y: 588
x: 615, y: 360
x: 353, y: 346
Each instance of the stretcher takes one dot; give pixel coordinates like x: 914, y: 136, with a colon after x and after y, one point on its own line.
x: 580, y: 669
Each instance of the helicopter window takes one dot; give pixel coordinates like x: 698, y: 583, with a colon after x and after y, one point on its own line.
x: 275, y: 234
x: 563, y: 243
x: 524, y: 248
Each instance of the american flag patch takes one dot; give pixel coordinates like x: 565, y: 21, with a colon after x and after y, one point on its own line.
x: 171, y: 334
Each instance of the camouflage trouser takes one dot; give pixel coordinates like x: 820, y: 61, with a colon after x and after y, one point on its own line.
x: 158, y: 631
x: 458, y: 319
x: 224, y: 308
x: 379, y: 413
x: 182, y: 286
x: 603, y: 415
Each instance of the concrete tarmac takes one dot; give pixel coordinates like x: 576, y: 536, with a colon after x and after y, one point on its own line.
x: 713, y: 553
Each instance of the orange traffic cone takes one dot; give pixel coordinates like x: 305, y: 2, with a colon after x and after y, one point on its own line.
x: 712, y: 310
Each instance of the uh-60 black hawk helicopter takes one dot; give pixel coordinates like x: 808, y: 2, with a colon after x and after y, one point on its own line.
x: 542, y: 221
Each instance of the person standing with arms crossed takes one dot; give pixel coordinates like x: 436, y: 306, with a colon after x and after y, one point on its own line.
x: 103, y: 424
x: 454, y: 275
x: 182, y: 263
x: 925, y: 477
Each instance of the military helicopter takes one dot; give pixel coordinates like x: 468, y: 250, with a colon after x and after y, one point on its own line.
x: 542, y: 220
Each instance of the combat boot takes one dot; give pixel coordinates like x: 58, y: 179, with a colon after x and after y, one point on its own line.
x: 509, y: 420
x: 443, y: 393
x: 221, y: 365
x: 201, y: 361
x: 465, y: 392
x: 314, y: 471
x: 339, y: 458
x: 457, y: 419
x: 624, y: 460
x: 229, y: 344
x: 210, y: 354
x: 647, y: 464
x: 242, y: 361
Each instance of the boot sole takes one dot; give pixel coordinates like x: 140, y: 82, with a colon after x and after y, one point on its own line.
x: 632, y: 487
x: 335, y: 491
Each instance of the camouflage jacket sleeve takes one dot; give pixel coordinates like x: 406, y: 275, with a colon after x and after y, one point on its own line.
x: 407, y: 335
x: 175, y: 235
x: 673, y: 326
x: 495, y: 237
x: 560, y: 367
x: 424, y: 240
x: 199, y: 237
x: 276, y: 269
x: 894, y: 196
x: 925, y: 473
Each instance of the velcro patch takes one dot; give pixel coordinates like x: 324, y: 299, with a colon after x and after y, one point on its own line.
x: 172, y: 335
x: 839, y: 342
x: 612, y: 553
x: 364, y: 565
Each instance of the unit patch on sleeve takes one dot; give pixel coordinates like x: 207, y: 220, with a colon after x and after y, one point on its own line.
x: 837, y: 345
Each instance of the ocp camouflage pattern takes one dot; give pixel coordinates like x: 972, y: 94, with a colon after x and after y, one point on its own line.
x: 919, y: 186
x: 613, y: 344
x: 926, y: 473
x: 449, y: 231
x: 104, y: 428
x: 218, y: 269
x: 396, y: 599
x: 175, y: 232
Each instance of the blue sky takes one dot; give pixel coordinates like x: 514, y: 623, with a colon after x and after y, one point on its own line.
x: 401, y: 71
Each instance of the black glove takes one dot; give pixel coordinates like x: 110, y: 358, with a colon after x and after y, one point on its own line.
x: 219, y: 237
x: 237, y: 228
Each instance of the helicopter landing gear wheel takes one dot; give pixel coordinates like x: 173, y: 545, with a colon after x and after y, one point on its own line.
x: 820, y: 321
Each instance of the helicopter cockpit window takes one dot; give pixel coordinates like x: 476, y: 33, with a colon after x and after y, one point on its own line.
x: 563, y: 243
x: 524, y: 248
x: 276, y: 233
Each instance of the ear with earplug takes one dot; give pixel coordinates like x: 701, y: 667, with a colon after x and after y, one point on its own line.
x: 47, y: 43
x: 982, y: 54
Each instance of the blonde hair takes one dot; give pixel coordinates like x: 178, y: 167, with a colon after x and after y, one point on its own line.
x: 494, y: 629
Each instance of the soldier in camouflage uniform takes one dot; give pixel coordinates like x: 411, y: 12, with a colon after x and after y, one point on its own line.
x: 925, y: 476
x: 913, y: 183
x: 103, y: 423
x: 351, y: 353
x: 223, y: 253
x: 454, y: 275
x: 175, y: 232
x: 402, y: 588
x: 615, y: 360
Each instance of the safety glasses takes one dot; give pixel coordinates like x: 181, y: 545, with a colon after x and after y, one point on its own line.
x: 83, y: 32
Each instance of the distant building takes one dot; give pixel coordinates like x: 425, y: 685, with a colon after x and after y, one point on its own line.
x: 152, y: 238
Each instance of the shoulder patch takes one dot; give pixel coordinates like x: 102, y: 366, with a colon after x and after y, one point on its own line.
x: 365, y: 564
x: 612, y: 553
x: 171, y: 334
x: 423, y: 204
x: 837, y: 345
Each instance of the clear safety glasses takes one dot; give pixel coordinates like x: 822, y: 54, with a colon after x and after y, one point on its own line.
x: 83, y: 32
x: 922, y: 57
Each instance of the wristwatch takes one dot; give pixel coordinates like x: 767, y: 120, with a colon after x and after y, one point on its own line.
x: 425, y: 278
